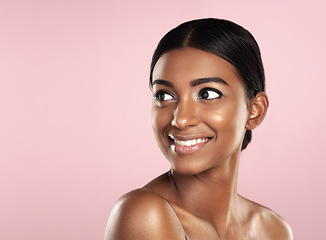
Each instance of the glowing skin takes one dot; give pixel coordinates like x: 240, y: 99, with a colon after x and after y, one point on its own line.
x: 213, y: 111
x: 200, y: 113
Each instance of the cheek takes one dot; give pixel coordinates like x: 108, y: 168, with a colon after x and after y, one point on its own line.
x: 228, y: 121
x: 160, y: 120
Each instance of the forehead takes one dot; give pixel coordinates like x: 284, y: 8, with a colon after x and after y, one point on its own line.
x: 190, y: 63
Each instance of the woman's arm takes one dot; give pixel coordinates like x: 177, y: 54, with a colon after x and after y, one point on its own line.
x: 141, y: 215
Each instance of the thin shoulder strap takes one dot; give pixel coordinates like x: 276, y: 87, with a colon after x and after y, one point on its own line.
x: 186, y: 236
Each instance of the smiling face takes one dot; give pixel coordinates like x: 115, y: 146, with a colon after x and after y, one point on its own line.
x: 199, y: 110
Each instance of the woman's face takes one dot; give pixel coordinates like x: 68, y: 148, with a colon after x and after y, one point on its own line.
x: 199, y: 110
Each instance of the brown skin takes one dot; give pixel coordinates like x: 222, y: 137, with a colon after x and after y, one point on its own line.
x: 197, y: 198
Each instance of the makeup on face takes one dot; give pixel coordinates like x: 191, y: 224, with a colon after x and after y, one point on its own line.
x: 199, y: 108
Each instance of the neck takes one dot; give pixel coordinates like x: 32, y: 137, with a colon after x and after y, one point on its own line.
x: 210, y: 195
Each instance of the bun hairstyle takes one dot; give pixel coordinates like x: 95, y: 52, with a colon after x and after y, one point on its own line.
x: 226, y: 40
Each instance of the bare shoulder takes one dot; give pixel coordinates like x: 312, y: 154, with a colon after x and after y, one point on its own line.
x: 143, y: 214
x: 272, y: 225
x: 277, y: 227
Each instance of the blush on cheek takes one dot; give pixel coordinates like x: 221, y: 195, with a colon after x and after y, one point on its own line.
x: 218, y: 121
x: 218, y: 118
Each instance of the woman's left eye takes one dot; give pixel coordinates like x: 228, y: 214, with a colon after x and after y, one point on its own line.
x: 209, y: 94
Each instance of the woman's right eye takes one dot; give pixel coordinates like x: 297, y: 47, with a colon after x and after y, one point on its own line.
x: 163, y: 96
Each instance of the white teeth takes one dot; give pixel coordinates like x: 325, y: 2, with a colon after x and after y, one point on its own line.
x: 190, y: 142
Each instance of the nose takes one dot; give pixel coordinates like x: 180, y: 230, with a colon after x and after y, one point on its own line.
x: 185, y: 115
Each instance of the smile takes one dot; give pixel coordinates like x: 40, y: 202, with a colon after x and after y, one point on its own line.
x: 190, y: 142
x: 186, y: 145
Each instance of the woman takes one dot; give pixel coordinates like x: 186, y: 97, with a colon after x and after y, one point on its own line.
x: 208, y: 89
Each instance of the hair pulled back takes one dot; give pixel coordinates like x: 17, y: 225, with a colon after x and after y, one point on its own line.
x: 226, y: 40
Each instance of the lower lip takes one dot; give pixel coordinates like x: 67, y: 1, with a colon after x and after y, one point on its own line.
x: 187, y: 149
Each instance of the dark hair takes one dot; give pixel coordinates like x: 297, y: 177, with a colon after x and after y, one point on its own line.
x: 225, y: 39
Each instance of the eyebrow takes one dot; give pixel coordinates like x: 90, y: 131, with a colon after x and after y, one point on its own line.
x: 199, y: 81
x: 193, y: 83
x: 163, y: 82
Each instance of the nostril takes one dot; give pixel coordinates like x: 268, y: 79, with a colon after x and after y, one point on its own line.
x: 185, y: 115
x: 184, y: 122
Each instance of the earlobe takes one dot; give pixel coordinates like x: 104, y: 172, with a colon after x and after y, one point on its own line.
x: 258, y: 109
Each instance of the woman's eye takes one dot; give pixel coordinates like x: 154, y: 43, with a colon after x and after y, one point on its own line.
x: 163, y: 96
x: 209, y: 94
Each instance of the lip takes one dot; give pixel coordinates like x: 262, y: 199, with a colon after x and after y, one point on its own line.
x: 186, y: 144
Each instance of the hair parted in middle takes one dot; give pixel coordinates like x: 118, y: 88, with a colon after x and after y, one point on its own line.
x: 226, y: 40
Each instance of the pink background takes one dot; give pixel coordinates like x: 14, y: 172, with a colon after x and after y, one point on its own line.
x: 75, y: 129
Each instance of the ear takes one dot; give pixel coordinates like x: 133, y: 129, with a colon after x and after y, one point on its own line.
x: 258, y: 109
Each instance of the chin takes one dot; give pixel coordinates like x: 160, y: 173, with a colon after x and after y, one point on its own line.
x: 188, y: 168
x: 185, y: 172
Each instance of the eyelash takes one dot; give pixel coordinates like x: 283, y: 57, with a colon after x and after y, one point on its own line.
x: 159, y: 93
x: 211, y: 90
